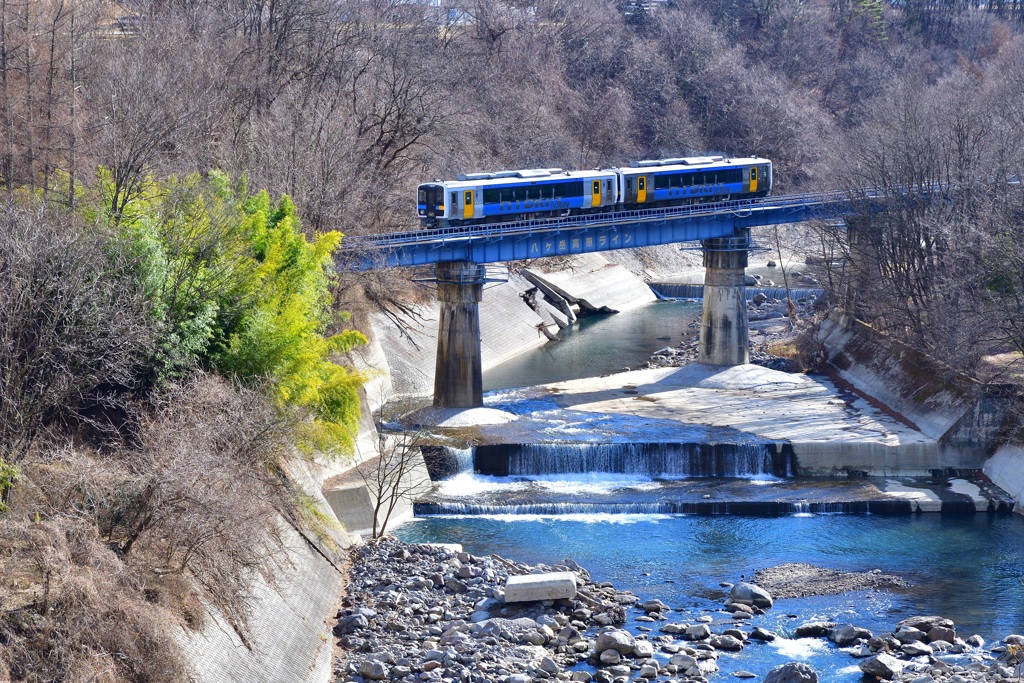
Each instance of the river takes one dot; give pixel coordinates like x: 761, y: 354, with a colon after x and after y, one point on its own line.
x: 965, y: 567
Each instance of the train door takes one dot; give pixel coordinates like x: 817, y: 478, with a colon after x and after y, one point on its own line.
x: 753, y: 178
x: 641, y: 189
x: 467, y: 204
x: 595, y: 191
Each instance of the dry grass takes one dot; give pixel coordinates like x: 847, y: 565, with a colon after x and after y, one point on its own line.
x: 107, y: 555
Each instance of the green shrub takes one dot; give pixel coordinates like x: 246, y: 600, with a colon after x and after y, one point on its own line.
x: 237, y: 287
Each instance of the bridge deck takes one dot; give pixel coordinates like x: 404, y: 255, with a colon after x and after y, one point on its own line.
x: 578, y: 234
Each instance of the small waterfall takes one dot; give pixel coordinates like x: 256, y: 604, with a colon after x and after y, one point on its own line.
x: 766, y: 508
x: 646, y: 459
x: 444, y: 462
x: 670, y: 290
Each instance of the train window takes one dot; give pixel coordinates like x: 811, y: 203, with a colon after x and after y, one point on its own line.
x: 469, y: 197
x: 662, y: 182
x: 629, y: 183
x: 455, y: 199
x: 421, y: 196
x: 641, y: 183
x: 491, y: 196
x: 596, y: 189
x: 753, y: 174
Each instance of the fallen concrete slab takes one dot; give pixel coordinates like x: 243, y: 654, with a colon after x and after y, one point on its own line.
x: 533, y: 587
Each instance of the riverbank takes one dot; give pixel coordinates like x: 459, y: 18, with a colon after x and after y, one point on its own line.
x: 418, y: 612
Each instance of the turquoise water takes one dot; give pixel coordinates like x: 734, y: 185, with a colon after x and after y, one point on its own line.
x: 967, y: 568
x: 598, y: 345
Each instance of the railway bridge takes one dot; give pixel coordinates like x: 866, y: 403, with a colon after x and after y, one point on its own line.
x: 460, y: 255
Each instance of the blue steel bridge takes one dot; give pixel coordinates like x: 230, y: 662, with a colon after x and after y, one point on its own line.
x: 528, y: 239
x: 460, y: 255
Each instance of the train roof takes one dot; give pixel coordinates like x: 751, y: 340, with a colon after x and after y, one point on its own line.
x: 517, y: 177
x: 637, y: 167
x: 689, y: 163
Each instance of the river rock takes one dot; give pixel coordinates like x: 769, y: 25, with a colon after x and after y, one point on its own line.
x: 848, y: 634
x: 882, y: 666
x: 654, y: 606
x: 762, y: 634
x: 350, y: 624
x: 726, y: 643
x: 917, y: 649
x: 751, y: 594
x: 925, y: 623
x: 683, y: 661
x: 610, y: 657
x: 815, y: 629
x: 673, y: 628
x: 373, y: 670
x: 910, y: 635
x: 946, y: 633
x: 643, y: 649
x: 698, y: 632
x: 791, y: 672
x: 615, y: 639
x: 648, y: 671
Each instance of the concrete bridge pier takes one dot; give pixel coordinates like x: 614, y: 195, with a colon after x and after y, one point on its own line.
x: 458, y: 373
x: 724, y: 334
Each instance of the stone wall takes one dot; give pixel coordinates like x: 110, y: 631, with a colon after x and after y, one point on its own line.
x: 960, y: 414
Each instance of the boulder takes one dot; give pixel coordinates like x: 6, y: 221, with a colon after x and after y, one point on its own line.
x: 848, y: 634
x: 759, y: 298
x: 698, y: 632
x: 373, y: 670
x: 917, y: 649
x: 683, y: 662
x: 727, y: 643
x: 791, y: 672
x: 946, y: 633
x: 615, y: 639
x: 924, y: 623
x: 751, y: 594
x: 609, y: 657
x: 654, y: 605
x: 762, y: 634
x: 643, y: 649
x: 882, y: 666
x: 815, y: 629
x: 910, y: 635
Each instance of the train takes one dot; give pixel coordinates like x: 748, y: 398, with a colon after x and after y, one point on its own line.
x: 503, y: 196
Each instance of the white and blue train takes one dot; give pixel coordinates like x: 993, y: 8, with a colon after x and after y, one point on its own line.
x: 476, y: 198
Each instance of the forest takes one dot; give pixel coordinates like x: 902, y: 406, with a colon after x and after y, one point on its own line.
x: 176, y: 176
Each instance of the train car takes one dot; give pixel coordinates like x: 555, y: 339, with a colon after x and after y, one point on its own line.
x: 693, y: 180
x: 475, y: 198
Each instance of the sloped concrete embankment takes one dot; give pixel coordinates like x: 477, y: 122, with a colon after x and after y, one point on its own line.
x: 960, y: 415
x: 289, y: 629
x: 1006, y: 470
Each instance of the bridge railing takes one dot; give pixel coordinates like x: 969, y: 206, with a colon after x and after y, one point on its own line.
x: 737, y: 207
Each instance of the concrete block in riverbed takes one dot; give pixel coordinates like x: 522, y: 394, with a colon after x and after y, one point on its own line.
x: 550, y: 586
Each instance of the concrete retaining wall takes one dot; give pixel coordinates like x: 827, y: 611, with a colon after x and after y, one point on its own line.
x: 353, y: 497
x: 289, y: 638
x: 1006, y: 470
x: 948, y: 407
x: 593, y: 283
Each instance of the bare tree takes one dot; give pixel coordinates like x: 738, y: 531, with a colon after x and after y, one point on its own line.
x: 71, y: 330
x: 397, y: 475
